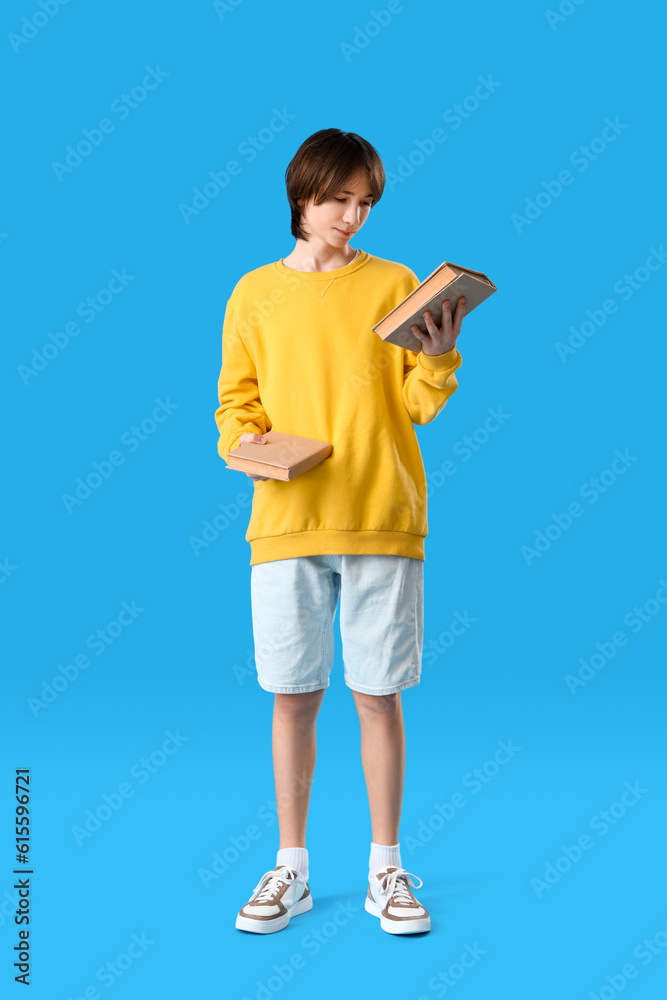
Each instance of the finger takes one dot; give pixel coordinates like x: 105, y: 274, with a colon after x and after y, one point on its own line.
x: 459, y: 314
x: 429, y: 321
x: 446, y: 314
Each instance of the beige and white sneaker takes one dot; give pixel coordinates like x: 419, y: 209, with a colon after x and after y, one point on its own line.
x: 281, y: 893
x: 390, y: 898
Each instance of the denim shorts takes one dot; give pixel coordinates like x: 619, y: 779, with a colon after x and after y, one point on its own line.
x: 294, y: 602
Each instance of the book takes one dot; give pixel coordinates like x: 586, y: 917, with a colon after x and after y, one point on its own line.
x: 448, y: 281
x: 284, y: 456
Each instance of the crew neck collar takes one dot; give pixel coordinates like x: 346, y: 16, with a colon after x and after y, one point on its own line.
x: 335, y: 272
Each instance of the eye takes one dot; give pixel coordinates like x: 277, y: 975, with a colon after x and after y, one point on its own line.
x: 369, y: 203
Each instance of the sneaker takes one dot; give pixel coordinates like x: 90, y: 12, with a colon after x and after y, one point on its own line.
x: 390, y: 898
x: 281, y: 893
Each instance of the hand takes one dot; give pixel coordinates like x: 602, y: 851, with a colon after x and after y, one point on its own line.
x: 255, y: 439
x: 443, y: 339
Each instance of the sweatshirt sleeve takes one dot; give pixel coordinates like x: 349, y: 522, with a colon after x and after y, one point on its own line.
x: 240, y: 408
x: 428, y: 382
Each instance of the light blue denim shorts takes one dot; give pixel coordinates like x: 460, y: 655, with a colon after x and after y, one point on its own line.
x: 294, y: 602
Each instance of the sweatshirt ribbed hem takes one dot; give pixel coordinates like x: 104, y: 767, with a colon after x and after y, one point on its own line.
x: 331, y: 542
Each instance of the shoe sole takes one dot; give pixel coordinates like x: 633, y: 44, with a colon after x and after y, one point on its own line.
x: 392, y: 926
x: 277, y: 924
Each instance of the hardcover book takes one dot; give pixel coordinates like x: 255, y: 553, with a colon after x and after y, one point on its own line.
x: 448, y: 281
x: 284, y: 456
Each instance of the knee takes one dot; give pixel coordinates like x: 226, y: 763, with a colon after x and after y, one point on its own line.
x: 299, y: 708
x: 378, y: 706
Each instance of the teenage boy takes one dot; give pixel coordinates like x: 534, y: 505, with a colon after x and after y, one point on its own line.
x: 299, y: 354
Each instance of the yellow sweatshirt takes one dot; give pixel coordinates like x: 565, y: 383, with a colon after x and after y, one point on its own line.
x: 299, y: 356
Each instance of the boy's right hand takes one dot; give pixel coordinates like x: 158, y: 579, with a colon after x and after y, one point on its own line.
x: 255, y: 439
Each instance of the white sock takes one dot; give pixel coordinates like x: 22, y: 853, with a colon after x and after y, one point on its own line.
x: 383, y: 856
x: 294, y: 857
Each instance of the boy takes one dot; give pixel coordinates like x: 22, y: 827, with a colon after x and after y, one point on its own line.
x: 298, y: 352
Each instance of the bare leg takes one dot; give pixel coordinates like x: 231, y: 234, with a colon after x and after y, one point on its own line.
x: 294, y: 724
x: 383, y: 760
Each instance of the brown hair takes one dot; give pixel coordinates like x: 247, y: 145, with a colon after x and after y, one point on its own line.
x: 323, y: 163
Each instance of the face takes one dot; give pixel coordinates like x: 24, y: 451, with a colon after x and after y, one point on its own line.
x: 339, y: 218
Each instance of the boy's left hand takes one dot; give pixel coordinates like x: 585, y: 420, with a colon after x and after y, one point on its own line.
x: 441, y: 339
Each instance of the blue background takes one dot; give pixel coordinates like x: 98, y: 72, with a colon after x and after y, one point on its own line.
x: 184, y: 663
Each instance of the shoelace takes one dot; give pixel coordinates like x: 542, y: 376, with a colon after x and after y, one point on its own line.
x: 395, y: 883
x: 275, y: 881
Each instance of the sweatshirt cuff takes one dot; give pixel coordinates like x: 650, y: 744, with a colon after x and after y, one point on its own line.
x: 438, y: 362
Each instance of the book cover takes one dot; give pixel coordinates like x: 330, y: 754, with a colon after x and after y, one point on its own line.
x: 285, y: 456
x: 448, y: 281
